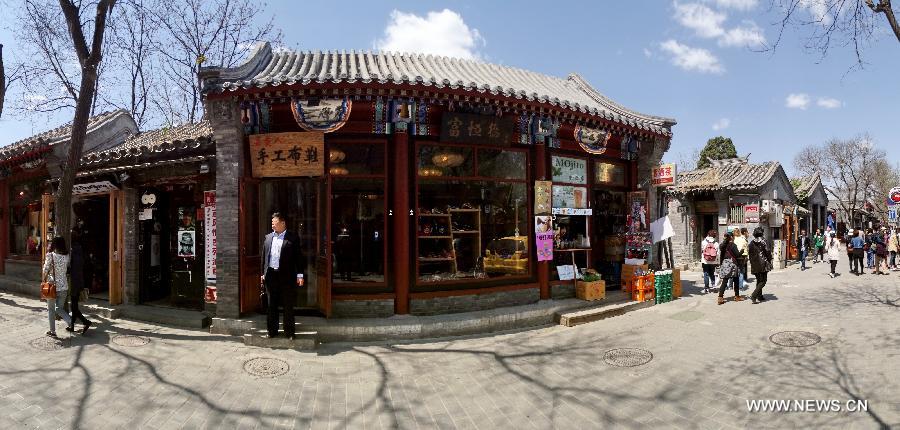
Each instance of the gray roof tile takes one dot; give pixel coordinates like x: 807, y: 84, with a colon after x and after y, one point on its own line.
x: 733, y: 177
x: 56, y: 135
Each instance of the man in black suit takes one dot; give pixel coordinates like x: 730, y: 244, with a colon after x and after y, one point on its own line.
x: 282, y: 274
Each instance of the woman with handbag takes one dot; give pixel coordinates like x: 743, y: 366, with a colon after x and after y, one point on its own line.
x: 54, y: 284
x: 728, y: 269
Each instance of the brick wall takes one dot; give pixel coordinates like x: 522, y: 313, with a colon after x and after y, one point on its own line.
x: 562, y: 291
x: 475, y: 302
x: 224, y: 118
x: 362, y: 308
x: 684, y: 242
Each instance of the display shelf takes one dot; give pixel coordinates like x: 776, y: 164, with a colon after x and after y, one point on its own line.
x: 466, y: 218
x: 465, y: 210
x: 428, y: 259
x: 435, y: 237
x: 466, y: 232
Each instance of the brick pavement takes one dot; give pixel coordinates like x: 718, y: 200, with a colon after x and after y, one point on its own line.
x: 708, y: 360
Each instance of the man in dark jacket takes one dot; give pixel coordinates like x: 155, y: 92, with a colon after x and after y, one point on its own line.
x: 76, y: 272
x: 803, y: 245
x: 282, y: 274
x: 760, y: 263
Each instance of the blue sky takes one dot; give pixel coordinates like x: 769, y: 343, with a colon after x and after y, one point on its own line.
x: 686, y: 59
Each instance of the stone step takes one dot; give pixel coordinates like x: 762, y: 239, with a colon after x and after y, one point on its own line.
x: 165, y: 316
x: 100, y: 308
x: 606, y: 310
x: 303, y: 340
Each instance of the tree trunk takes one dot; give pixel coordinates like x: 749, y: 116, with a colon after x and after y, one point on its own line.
x: 2, y: 81
x: 63, y: 213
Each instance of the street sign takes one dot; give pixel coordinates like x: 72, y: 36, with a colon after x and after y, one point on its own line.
x: 892, y: 214
x: 894, y: 196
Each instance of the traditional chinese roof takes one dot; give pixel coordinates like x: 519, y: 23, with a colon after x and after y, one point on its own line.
x: 166, y: 142
x: 805, y: 186
x: 267, y: 68
x: 44, y: 140
x: 730, y: 175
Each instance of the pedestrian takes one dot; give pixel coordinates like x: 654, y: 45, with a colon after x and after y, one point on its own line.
x: 709, y: 259
x: 834, y: 252
x: 282, y: 274
x: 803, y: 246
x: 880, y: 252
x: 76, y: 273
x: 56, y: 262
x: 740, y: 241
x: 820, y: 246
x: 728, y: 271
x: 859, y: 245
x: 894, y: 246
x: 760, y: 263
x: 848, y: 238
x: 870, y: 249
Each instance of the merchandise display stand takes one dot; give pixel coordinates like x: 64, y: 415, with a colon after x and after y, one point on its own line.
x: 446, y: 237
x: 470, y: 222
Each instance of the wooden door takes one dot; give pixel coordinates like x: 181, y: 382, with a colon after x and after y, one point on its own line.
x: 323, y: 249
x: 249, y: 245
x: 116, y: 247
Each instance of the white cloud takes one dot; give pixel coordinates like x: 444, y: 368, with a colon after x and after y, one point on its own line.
x: 648, y: 53
x: 818, y: 10
x: 797, y: 101
x: 749, y: 35
x: 721, y: 124
x: 438, y: 33
x: 704, y: 21
x: 737, y: 4
x: 828, y: 103
x: 688, y: 58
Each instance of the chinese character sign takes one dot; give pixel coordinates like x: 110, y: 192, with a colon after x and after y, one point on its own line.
x: 474, y: 128
x: 287, y: 154
x: 209, y: 216
x: 664, y: 174
x: 569, y: 170
x: 543, y: 231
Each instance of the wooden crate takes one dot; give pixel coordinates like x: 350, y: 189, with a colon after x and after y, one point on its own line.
x: 590, y: 290
x: 676, y: 283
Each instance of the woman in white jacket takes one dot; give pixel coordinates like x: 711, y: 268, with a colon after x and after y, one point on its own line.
x: 56, y: 263
x: 833, y: 249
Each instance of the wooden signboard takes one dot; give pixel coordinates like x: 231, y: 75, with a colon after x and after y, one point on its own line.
x: 287, y: 154
x: 473, y: 128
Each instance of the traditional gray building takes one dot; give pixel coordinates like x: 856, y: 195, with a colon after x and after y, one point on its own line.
x: 811, y: 196
x: 730, y: 194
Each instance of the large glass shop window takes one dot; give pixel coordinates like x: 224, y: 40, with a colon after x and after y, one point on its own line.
x: 357, y: 213
x: 25, y: 219
x: 571, y: 235
x: 472, y: 216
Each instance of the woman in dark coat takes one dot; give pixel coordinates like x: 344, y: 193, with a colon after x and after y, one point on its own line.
x: 760, y: 264
x: 76, y: 272
x: 728, y: 269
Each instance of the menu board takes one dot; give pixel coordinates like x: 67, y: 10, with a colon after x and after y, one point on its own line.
x: 569, y: 170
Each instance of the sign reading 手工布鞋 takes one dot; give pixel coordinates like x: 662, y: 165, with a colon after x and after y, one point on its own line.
x: 287, y: 154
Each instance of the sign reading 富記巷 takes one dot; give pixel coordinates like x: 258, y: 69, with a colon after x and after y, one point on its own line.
x: 664, y: 174
x: 287, y: 154
x: 473, y: 128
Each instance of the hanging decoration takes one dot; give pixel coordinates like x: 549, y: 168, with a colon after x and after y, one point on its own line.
x: 430, y: 171
x: 630, y: 147
x: 400, y: 114
x: 255, y: 116
x: 338, y: 171
x: 447, y: 158
x: 325, y: 115
x: 538, y: 130
x: 336, y: 155
x: 592, y: 140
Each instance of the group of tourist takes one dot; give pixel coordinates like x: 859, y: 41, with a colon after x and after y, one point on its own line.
x: 875, y: 250
x: 727, y: 261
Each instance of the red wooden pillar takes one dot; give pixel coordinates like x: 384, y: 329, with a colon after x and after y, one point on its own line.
x: 540, y: 174
x: 402, y: 218
x: 4, y: 223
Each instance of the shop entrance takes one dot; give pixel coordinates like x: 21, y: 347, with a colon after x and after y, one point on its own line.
x: 171, y: 255
x: 300, y: 200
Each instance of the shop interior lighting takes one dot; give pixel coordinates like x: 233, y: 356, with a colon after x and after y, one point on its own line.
x: 336, y: 156
x: 447, y: 159
x: 338, y: 171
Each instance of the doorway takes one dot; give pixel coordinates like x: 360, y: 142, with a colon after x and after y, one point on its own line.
x: 92, y: 221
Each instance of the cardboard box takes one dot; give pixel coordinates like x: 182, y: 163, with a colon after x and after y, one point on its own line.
x: 590, y: 290
x: 676, y: 283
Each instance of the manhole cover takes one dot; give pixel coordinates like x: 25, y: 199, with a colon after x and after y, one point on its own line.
x: 795, y: 339
x: 266, y: 367
x: 627, y: 357
x: 129, y: 340
x: 47, y: 343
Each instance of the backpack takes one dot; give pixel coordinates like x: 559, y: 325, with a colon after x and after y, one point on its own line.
x: 710, y: 252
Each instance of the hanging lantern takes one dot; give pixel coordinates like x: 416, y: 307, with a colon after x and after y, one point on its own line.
x: 338, y: 171
x: 446, y: 158
x: 336, y: 156
x: 430, y: 171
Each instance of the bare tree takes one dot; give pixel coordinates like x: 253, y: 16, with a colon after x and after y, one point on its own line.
x: 131, y: 48
x: 848, y: 168
x: 844, y: 23
x: 2, y: 81
x: 89, y: 58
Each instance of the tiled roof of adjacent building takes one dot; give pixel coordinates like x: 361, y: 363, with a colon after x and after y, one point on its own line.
x: 731, y: 175
x: 56, y: 135
x: 806, y: 185
x: 265, y: 67
x: 154, y: 142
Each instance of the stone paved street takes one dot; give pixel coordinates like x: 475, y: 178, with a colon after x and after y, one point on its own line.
x: 707, y: 362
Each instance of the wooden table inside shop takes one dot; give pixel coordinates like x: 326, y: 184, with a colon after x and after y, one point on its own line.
x: 572, y: 251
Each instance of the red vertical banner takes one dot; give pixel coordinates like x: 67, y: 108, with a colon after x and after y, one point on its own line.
x: 209, y: 216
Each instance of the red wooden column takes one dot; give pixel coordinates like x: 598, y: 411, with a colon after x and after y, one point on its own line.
x: 540, y: 174
x: 401, y: 220
x: 4, y: 224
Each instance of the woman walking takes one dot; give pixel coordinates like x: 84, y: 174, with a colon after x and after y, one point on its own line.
x: 760, y: 264
x: 76, y: 270
x: 709, y: 259
x: 728, y: 270
x: 834, y: 252
x: 54, y: 271
x: 820, y: 246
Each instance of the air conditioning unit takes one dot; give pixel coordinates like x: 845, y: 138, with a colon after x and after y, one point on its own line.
x: 766, y: 206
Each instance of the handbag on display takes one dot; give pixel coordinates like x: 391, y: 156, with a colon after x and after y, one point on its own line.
x: 48, y: 289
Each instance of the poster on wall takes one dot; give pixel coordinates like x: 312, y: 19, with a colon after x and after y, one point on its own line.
x: 542, y: 197
x: 186, y: 243
x: 209, y: 217
x: 543, y: 231
x: 185, y: 235
x: 751, y: 213
x: 569, y: 170
x: 287, y: 154
x: 567, y: 196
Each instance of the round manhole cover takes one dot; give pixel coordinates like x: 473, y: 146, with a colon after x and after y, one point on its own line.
x: 795, y: 339
x: 266, y: 367
x: 627, y: 357
x: 129, y: 340
x: 47, y: 343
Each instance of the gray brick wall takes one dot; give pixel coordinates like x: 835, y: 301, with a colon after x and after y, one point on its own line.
x: 562, y: 291
x: 473, y: 302
x: 224, y: 118
x: 131, y: 265
x: 684, y: 242
x: 362, y: 308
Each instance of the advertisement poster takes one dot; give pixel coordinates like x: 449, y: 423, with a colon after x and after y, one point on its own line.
x: 185, y: 235
x: 566, y: 196
x: 543, y: 230
x: 209, y: 216
x: 186, y: 243
x: 542, y: 197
